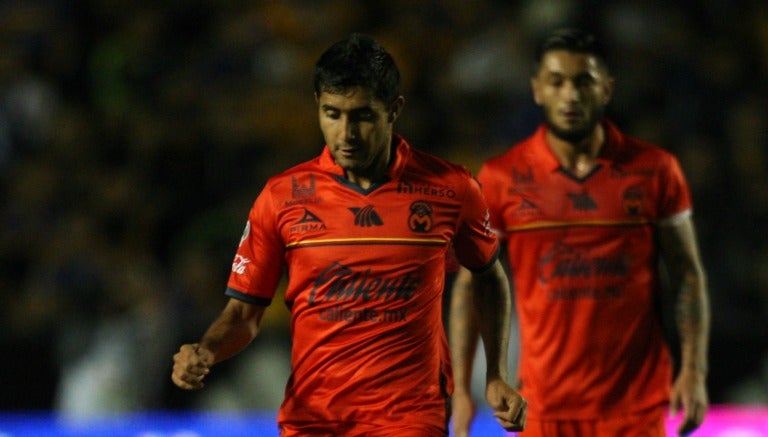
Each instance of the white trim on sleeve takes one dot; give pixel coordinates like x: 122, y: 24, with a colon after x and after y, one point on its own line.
x: 676, y: 218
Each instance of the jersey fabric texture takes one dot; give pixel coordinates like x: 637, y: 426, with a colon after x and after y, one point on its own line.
x: 649, y: 423
x: 583, y: 258
x: 366, y: 272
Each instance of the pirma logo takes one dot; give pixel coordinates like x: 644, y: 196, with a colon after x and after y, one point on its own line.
x: 309, y: 222
x: 523, y: 176
x: 309, y: 217
x: 527, y: 208
x: 366, y: 216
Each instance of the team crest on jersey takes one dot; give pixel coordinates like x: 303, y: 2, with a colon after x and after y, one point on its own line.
x: 366, y: 216
x: 303, y: 191
x: 420, y: 219
x: 246, y: 231
x: 523, y: 176
x: 523, y: 181
x: 633, y: 201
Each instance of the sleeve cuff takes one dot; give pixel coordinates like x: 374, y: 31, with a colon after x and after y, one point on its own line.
x: 239, y: 295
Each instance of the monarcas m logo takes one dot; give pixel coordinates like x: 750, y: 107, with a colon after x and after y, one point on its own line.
x: 420, y: 219
x: 366, y: 216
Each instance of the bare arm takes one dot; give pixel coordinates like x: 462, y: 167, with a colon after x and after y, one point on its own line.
x: 692, y: 316
x: 493, y: 305
x: 234, y: 329
x: 463, y: 332
x: 481, y: 303
x: 463, y: 336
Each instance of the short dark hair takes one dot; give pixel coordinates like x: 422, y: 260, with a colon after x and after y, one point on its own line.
x: 571, y: 39
x: 358, y: 60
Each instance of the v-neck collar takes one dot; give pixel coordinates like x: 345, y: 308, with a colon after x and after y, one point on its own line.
x: 402, y: 152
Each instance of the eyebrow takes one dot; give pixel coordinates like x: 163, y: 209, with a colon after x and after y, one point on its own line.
x: 327, y: 106
x: 580, y: 75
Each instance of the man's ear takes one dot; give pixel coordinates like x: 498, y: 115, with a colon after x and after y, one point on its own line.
x: 608, y: 89
x: 535, y: 90
x: 395, y: 108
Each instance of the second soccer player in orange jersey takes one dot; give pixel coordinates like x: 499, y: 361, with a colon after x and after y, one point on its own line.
x: 363, y: 231
x: 587, y: 211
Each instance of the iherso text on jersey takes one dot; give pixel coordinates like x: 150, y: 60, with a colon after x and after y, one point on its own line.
x: 425, y: 190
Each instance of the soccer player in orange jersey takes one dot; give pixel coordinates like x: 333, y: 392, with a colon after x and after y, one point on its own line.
x: 362, y: 232
x: 586, y: 212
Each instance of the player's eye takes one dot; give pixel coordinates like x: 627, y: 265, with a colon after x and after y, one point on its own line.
x: 333, y: 114
x: 364, y: 116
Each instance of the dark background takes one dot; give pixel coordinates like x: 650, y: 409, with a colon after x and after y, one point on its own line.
x: 134, y: 136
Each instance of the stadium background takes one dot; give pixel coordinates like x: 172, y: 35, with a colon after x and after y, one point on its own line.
x: 135, y: 134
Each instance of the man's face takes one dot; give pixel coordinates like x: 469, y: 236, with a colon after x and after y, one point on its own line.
x: 358, y: 130
x: 573, y: 90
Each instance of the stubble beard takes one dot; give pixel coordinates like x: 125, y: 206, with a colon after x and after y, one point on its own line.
x: 575, y: 135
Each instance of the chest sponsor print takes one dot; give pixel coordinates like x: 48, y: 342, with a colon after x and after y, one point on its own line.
x: 568, y: 273
x: 359, y: 296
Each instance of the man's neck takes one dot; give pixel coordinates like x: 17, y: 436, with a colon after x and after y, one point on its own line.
x: 578, y: 158
x: 376, y: 172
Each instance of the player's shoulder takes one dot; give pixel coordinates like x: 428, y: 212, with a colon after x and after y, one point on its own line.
x: 430, y: 165
x: 634, y: 148
x: 304, y: 174
x: 310, y: 165
x: 519, y: 153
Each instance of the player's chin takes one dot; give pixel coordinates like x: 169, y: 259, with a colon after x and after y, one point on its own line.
x: 350, y: 164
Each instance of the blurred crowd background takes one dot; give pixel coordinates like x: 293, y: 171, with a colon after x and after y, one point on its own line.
x: 134, y: 136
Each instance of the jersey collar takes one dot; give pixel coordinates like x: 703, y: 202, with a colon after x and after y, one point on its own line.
x: 613, y: 144
x: 402, y: 151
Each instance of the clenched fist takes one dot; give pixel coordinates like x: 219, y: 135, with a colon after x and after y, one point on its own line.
x: 190, y: 366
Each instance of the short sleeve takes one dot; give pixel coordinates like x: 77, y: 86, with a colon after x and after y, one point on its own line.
x: 674, y: 194
x: 490, y: 188
x: 475, y: 244
x: 259, y: 261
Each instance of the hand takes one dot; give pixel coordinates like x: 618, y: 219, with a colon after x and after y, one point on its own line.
x: 463, y: 409
x: 190, y: 365
x: 509, y: 406
x: 689, y: 392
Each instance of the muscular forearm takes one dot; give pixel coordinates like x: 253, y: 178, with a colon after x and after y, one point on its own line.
x: 692, y: 317
x: 462, y: 331
x: 493, y: 303
x: 232, y: 331
x: 689, y: 280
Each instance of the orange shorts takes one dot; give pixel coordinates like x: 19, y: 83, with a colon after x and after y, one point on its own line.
x: 648, y: 423
x: 360, y: 430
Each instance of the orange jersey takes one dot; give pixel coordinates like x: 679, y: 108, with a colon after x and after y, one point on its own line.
x: 366, y: 273
x: 584, y: 264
